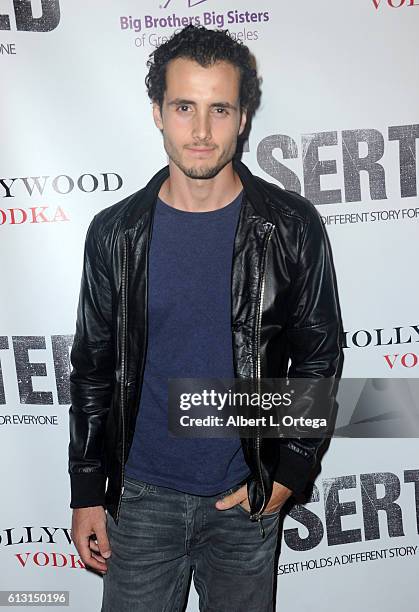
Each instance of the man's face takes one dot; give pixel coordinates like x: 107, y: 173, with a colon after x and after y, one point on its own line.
x: 200, y: 117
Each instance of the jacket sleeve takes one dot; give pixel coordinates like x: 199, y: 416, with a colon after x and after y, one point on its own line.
x: 314, y: 337
x: 91, y: 378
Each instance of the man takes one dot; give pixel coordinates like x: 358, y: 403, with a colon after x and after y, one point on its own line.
x: 208, y: 271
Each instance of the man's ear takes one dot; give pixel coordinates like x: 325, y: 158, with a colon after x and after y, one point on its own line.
x: 157, y: 115
x: 243, y: 119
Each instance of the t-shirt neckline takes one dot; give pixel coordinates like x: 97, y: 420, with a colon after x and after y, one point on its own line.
x: 202, y: 214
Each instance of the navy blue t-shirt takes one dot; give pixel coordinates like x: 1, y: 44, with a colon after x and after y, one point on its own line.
x: 189, y: 336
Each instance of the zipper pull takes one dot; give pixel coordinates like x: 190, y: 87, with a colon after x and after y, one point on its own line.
x: 262, y: 531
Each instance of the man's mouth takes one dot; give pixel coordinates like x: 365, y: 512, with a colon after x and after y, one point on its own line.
x: 201, y: 150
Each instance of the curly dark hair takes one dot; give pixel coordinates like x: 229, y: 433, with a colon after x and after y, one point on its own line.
x: 205, y: 47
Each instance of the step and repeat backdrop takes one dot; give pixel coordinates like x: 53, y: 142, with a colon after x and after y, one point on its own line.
x: 339, y: 123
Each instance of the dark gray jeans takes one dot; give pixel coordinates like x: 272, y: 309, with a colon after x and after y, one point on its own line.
x: 163, y: 534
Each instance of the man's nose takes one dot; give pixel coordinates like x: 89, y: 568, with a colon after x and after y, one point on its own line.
x: 202, y: 126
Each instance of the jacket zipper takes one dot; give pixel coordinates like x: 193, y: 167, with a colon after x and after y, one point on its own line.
x: 258, y: 515
x: 123, y: 366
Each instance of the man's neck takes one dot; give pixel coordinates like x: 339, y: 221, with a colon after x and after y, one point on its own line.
x: 200, y: 195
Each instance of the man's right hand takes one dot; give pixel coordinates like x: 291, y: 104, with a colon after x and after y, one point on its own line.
x: 93, y: 551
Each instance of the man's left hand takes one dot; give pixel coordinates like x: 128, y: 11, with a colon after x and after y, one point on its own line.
x: 279, y: 496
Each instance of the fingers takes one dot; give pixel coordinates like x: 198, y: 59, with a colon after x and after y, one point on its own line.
x: 90, y: 537
x: 231, y: 500
x: 88, y: 557
x: 102, y: 540
x: 96, y: 553
x: 279, y: 495
x: 94, y: 546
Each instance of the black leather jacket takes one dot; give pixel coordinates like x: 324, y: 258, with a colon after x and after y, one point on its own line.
x: 284, y: 307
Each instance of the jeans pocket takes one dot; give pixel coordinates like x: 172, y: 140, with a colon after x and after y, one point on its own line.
x: 274, y: 513
x: 267, y: 514
x: 133, y: 489
x: 240, y: 507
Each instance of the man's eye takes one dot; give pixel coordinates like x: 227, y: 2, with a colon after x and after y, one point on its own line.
x: 221, y: 111
x: 183, y: 107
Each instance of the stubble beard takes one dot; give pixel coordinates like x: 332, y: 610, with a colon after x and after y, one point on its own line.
x: 192, y: 172
x: 208, y: 172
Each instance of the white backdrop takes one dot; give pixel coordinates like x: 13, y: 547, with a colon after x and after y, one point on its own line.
x: 339, y: 121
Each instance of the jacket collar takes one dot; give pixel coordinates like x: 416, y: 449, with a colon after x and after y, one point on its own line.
x: 145, y: 199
